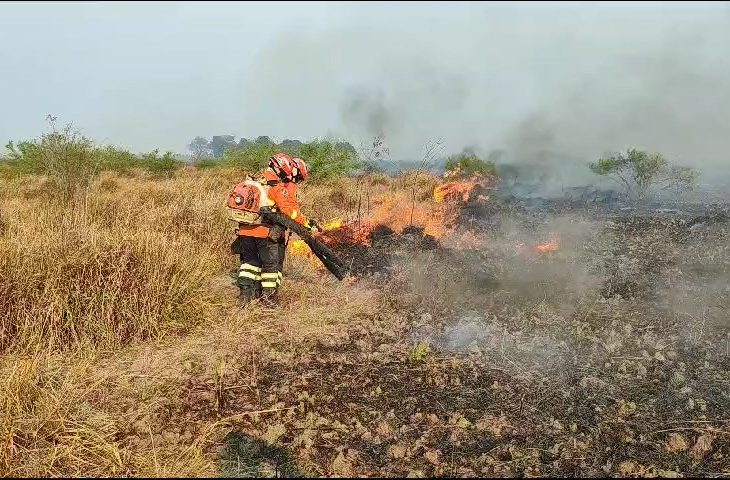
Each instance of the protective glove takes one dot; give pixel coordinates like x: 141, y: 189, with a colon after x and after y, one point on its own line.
x: 313, y: 226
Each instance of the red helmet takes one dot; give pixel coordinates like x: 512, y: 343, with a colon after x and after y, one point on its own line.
x: 301, y: 173
x: 282, y: 164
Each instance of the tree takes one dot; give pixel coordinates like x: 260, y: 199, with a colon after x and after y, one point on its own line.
x: 219, y: 143
x: 329, y: 159
x: 638, y: 171
x: 293, y: 145
x: 200, y: 148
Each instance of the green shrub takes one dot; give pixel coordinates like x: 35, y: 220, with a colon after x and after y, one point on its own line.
x: 251, y: 157
x: 467, y: 163
x: 65, y: 156
x: 325, y: 158
x: 204, y: 163
x: 164, y: 165
x: 6, y: 168
x: 419, y: 353
x: 638, y: 171
x: 116, y: 159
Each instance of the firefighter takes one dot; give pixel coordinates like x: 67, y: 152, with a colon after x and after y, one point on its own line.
x: 262, y: 246
x: 299, y: 174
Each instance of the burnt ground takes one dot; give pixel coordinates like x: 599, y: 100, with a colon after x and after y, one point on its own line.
x: 607, y: 357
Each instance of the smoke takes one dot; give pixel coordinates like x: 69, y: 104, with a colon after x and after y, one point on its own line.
x: 551, y: 87
x: 396, y: 110
x: 516, y: 351
x: 369, y: 110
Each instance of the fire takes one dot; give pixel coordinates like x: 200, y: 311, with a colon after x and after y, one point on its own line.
x: 396, y: 211
x: 350, y: 233
x: 457, y: 190
x: 333, y: 225
x: 298, y: 247
x: 551, y: 246
x: 464, y: 190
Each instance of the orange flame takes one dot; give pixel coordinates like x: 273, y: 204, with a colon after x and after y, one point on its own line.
x: 299, y: 247
x: 464, y: 190
x: 397, y: 211
x: 455, y: 190
x: 551, y: 246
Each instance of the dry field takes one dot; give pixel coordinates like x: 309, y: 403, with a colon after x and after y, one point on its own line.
x: 472, y: 338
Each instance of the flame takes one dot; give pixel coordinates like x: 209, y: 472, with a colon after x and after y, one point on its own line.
x: 395, y: 211
x: 298, y: 247
x: 350, y: 234
x: 333, y: 225
x: 464, y: 190
x: 457, y: 190
x: 551, y: 246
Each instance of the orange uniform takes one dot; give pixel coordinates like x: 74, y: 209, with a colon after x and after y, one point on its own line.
x: 262, y: 246
x: 284, y: 196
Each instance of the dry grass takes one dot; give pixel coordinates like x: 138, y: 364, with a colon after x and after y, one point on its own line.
x: 124, y: 352
x: 49, y: 426
x: 131, y: 260
x: 135, y: 259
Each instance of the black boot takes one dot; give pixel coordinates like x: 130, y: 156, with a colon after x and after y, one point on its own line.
x: 246, y: 295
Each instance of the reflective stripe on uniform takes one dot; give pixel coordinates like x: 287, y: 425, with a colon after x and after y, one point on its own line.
x: 251, y: 268
x: 279, y: 278
x: 294, y: 215
x: 269, y: 279
x: 247, y: 270
x: 250, y: 275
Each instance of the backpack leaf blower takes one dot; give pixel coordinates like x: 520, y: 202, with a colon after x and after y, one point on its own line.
x: 322, y: 251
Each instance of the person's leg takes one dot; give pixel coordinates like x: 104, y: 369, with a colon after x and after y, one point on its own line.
x: 269, y: 255
x: 282, y: 256
x: 249, y: 273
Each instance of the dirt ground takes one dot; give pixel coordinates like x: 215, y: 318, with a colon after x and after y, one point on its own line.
x: 535, y: 338
x: 607, y: 357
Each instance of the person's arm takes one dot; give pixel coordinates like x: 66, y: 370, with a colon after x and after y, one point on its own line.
x: 285, y: 197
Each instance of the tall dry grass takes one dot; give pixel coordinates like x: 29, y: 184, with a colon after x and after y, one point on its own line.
x: 131, y: 259
x: 48, y: 424
x: 134, y: 257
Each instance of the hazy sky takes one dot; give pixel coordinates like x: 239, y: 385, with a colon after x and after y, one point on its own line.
x: 577, y: 78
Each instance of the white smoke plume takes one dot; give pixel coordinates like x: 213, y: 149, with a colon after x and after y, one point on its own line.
x: 555, y: 85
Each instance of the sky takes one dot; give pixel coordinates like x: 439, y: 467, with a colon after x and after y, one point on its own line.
x: 579, y: 78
